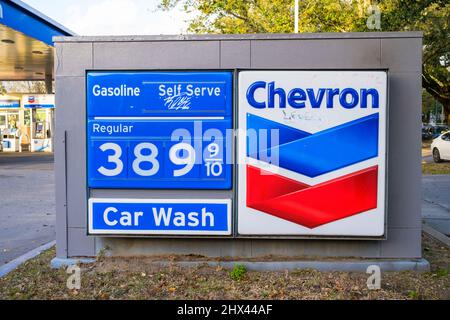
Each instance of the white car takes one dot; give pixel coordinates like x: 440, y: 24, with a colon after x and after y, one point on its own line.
x: 440, y: 147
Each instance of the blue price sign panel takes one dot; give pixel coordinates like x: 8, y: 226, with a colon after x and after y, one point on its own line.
x: 159, y: 130
x: 161, y: 216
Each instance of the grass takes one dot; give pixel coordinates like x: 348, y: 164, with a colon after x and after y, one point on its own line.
x: 238, y: 272
x: 436, y: 168
x: 134, y: 278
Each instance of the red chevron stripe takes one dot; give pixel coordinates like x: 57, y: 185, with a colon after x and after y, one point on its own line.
x: 312, y: 206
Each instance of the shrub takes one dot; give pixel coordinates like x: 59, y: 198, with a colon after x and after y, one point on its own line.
x: 238, y: 272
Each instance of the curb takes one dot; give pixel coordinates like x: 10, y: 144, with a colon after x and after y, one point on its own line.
x: 420, y: 265
x: 443, y: 206
x: 57, y: 263
x: 10, y: 266
x: 326, y: 266
x: 436, y: 234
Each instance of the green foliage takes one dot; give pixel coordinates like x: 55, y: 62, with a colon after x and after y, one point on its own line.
x: 429, y: 106
x: 103, y: 252
x: 413, y: 294
x: 277, y: 16
x: 237, y: 16
x: 238, y: 273
x: 436, y: 168
x: 23, y: 86
x: 443, y: 272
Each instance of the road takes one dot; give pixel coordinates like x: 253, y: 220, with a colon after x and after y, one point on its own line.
x: 436, y: 202
x: 427, y: 159
x: 27, y: 203
x: 435, y: 197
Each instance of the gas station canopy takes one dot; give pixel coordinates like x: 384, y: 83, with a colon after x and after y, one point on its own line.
x: 26, y: 47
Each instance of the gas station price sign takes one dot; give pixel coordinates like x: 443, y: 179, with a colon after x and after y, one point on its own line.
x: 159, y: 130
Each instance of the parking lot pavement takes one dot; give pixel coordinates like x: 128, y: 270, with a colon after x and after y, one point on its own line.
x: 27, y: 203
x: 436, y: 201
x: 427, y: 159
x: 427, y: 156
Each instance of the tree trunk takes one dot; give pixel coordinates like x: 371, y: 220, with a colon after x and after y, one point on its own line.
x: 446, y: 112
x: 437, y: 92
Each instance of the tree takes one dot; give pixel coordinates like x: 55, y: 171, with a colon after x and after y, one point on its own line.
x: 24, y: 86
x: 276, y: 16
x: 2, y: 89
x: 433, y: 18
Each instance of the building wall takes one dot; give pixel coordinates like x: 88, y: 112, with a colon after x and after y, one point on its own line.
x: 400, y: 53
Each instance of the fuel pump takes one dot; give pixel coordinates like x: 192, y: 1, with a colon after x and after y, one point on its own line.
x: 42, y: 110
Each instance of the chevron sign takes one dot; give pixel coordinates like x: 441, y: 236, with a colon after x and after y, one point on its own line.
x: 314, y: 153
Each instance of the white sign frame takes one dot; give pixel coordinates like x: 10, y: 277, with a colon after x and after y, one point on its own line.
x: 143, y: 233
x: 347, y: 228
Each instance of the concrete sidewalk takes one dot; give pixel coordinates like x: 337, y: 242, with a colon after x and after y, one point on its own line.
x: 436, y: 202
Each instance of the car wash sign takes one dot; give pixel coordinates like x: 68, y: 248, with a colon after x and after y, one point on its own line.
x: 315, y: 153
x: 165, y: 131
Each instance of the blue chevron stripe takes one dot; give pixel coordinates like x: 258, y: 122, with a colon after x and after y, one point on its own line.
x: 322, y: 152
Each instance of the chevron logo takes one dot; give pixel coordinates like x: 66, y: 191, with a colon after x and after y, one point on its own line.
x: 313, y: 155
x: 312, y: 161
x: 312, y: 206
x: 322, y: 152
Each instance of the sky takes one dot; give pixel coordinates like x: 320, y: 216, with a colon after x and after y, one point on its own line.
x: 113, y: 17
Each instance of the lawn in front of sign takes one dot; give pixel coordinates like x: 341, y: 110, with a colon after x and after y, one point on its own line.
x: 436, y: 168
x: 136, y: 278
